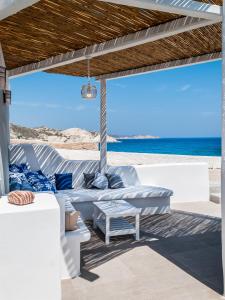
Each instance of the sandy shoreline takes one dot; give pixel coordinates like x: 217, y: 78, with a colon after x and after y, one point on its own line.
x: 127, y: 158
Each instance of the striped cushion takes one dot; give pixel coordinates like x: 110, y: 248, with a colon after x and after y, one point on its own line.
x: 115, y: 181
x: 21, y: 197
x: 63, y: 181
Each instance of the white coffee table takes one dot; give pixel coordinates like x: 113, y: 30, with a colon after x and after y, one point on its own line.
x: 109, y: 218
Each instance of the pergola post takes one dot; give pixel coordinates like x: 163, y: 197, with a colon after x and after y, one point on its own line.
x: 103, y: 128
x: 223, y: 145
x: 4, y: 129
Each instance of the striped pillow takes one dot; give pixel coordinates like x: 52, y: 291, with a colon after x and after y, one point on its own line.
x: 21, y: 197
x: 115, y: 181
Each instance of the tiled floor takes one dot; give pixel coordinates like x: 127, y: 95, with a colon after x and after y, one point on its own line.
x: 178, y: 257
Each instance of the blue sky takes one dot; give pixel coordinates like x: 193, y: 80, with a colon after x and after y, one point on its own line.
x: 183, y: 102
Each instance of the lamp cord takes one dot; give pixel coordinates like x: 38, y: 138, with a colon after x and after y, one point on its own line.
x: 88, y: 64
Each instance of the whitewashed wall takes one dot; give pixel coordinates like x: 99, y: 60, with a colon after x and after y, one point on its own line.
x: 189, y: 181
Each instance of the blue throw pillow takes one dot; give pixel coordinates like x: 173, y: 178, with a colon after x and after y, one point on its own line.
x: 115, y: 181
x: 100, y: 182
x: 40, y: 182
x: 18, y: 181
x: 22, y: 168
x: 63, y: 181
x: 88, y: 180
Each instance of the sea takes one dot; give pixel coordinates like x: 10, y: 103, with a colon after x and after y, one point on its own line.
x: 177, y: 146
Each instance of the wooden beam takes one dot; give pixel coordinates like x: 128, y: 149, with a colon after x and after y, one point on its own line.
x: 163, y: 66
x: 128, y: 41
x: 10, y: 7
x: 181, y: 7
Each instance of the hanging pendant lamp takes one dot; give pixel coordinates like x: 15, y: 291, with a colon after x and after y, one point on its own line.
x: 88, y: 91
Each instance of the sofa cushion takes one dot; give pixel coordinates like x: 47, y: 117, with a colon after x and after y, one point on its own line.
x: 68, y: 205
x: 18, y: 181
x: 115, y: 181
x: 20, y: 168
x: 132, y: 192
x: 88, y: 180
x: 40, y: 182
x: 63, y: 181
x: 100, y: 182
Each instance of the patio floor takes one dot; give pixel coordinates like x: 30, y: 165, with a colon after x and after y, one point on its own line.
x: 177, y: 257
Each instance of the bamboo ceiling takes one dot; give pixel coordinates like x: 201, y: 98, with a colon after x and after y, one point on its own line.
x: 184, y: 45
x: 52, y: 27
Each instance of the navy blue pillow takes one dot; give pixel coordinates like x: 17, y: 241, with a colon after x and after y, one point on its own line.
x: 89, y: 179
x: 63, y: 181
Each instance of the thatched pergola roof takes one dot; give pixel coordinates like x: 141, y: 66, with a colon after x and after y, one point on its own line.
x: 54, y: 27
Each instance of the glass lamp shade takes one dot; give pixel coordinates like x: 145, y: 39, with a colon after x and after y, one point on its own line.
x: 89, y: 91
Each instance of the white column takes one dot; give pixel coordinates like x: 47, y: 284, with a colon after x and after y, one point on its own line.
x: 4, y: 129
x: 223, y: 144
x: 103, y: 128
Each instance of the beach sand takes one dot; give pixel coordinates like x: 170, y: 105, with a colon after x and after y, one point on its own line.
x: 126, y: 158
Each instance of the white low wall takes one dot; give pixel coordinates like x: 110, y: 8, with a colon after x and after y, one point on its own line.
x: 189, y: 181
x: 30, y: 250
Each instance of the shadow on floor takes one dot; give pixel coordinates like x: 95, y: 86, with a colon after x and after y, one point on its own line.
x: 190, y: 241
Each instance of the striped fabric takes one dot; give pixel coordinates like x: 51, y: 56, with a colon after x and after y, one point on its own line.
x: 115, y: 181
x: 21, y: 197
x: 63, y: 181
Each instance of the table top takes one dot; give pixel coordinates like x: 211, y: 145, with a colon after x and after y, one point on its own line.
x: 117, y: 208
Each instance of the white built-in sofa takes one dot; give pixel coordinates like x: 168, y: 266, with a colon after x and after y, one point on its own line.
x: 152, y: 199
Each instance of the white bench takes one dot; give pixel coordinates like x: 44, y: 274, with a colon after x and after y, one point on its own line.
x: 151, y: 199
x: 70, y: 244
x: 148, y: 187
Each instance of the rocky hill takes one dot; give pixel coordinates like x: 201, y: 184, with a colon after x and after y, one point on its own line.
x: 70, y: 136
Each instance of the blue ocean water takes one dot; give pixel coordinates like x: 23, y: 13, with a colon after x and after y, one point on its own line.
x: 178, y: 146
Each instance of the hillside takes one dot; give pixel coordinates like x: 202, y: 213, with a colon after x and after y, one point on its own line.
x: 74, y: 138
